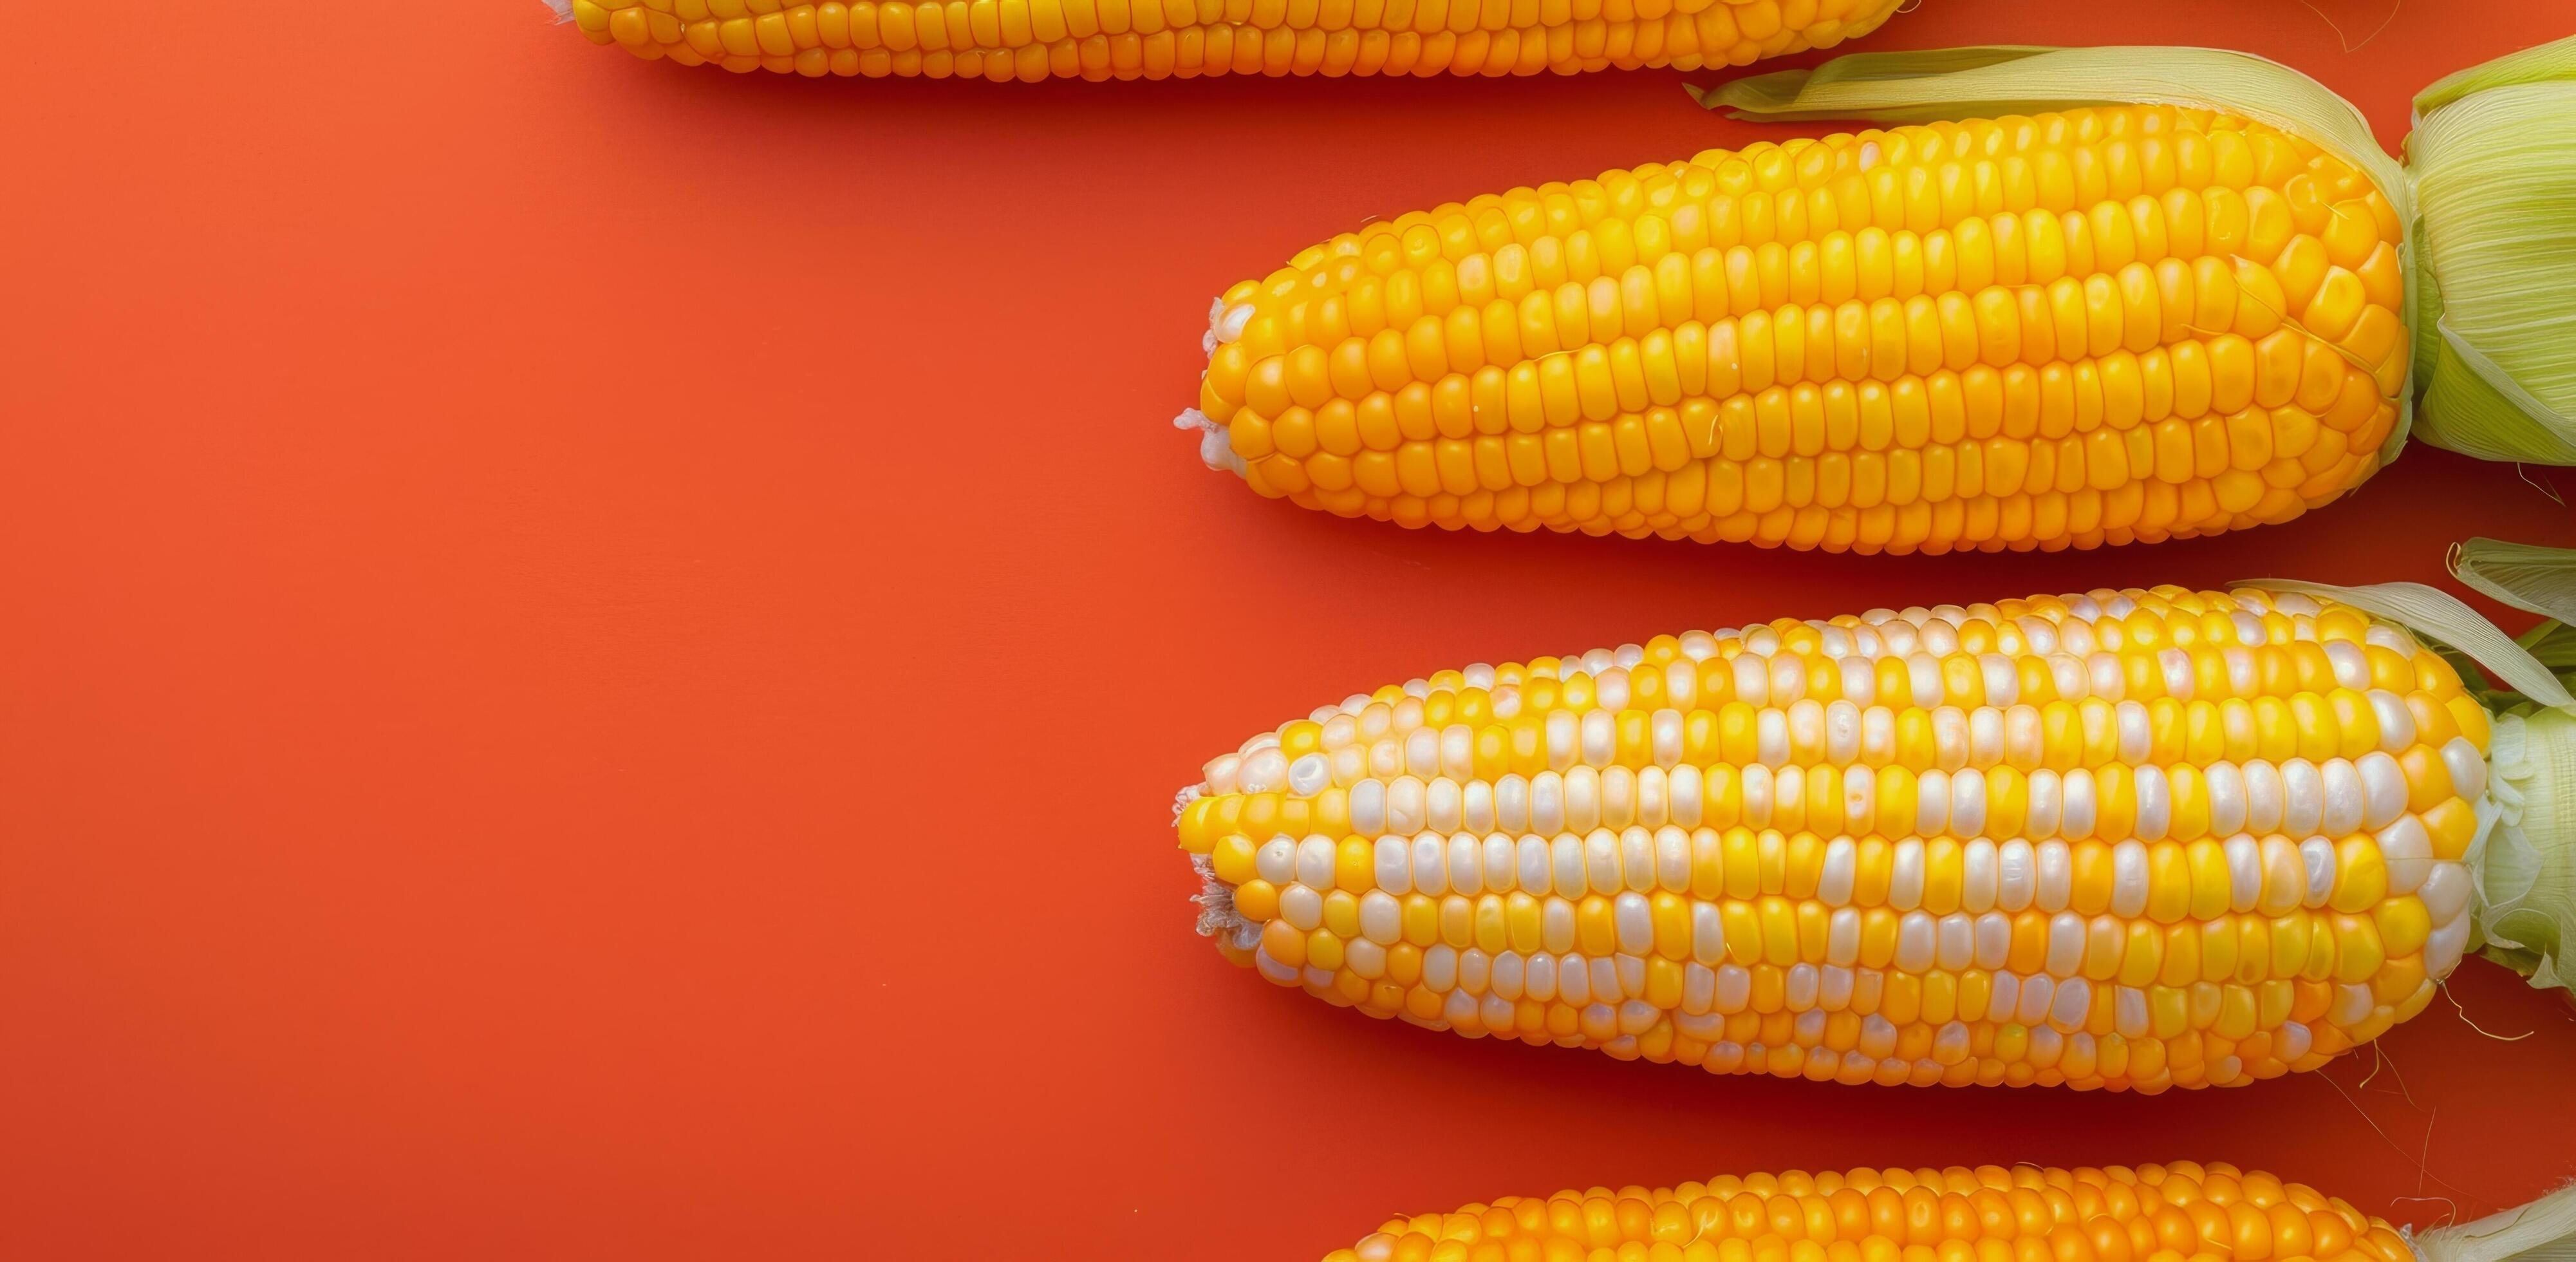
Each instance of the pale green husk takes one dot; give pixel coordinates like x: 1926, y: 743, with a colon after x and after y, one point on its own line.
x: 2530, y: 578
x: 2542, y: 1231
x: 2524, y: 857
x: 2494, y: 161
x: 2491, y: 201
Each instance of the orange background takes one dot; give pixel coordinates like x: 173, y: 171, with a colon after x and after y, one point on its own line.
x: 595, y: 658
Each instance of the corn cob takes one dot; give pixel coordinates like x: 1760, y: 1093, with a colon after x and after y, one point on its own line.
x: 2150, y: 1213
x: 2126, y: 840
x: 1031, y: 40
x: 2089, y: 326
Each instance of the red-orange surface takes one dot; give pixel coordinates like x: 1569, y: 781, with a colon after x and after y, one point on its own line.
x: 595, y: 657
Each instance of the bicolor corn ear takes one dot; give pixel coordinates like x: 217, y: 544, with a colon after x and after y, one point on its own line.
x: 1995, y: 843
x: 2494, y: 161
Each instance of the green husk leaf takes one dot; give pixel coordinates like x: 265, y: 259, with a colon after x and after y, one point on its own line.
x: 2526, y: 576
x: 2526, y: 869
x: 2542, y: 1231
x: 2494, y: 161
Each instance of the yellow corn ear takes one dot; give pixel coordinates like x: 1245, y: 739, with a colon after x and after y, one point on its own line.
x: 2125, y: 840
x: 1031, y: 40
x: 2149, y: 1213
x: 2087, y: 327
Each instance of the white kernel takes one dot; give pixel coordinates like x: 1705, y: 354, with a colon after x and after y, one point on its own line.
x: 2003, y: 1000
x: 1977, y: 873
x: 1315, y: 863
x: 2383, y: 790
x: 1477, y: 813
x: 2046, y: 814
x: 1955, y: 941
x: 2074, y: 1001
x: 1966, y: 805
x: 1799, y: 987
x: 1440, y: 968
x: 2318, y: 855
x: 1905, y: 877
x: 2226, y: 786
x: 1466, y: 869
x: 2129, y: 876
x: 1381, y: 918
x: 1565, y: 860
x: 1302, y: 908
x: 2406, y: 850
x: 1309, y: 774
x: 2303, y: 797
x: 2396, y: 722
x: 1734, y: 989
x: 1574, y: 979
x: 2155, y: 802
x: 1932, y: 804
x: 1637, y: 858
x: 2136, y: 733
x: 2066, y: 932
x: 1547, y: 803
x: 1582, y: 799
x: 1915, y: 945
x: 2345, y: 801
x: 1601, y: 862
x: 1699, y: 988
x: 1609, y: 984
x: 2036, y: 994
x: 2263, y: 798
x: 1276, y: 861
x: 1264, y: 772
x: 1634, y: 919
x: 1475, y: 969
x: 2447, y: 890
x: 2467, y: 766
x: 1395, y: 865
x: 1994, y: 940
x: 2075, y: 815
x: 1431, y: 865
x: 2016, y: 875
x: 1405, y: 809
x: 2444, y: 946
x: 1842, y: 936
x: 1534, y: 873
x: 2180, y: 680
x: 1512, y: 802
x: 1672, y: 859
x: 1538, y: 978
x: 2244, y: 873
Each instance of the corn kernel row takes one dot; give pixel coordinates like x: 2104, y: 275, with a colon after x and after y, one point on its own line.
x: 2132, y: 839
x: 1030, y: 40
x: 2091, y: 327
x: 2180, y: 1212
